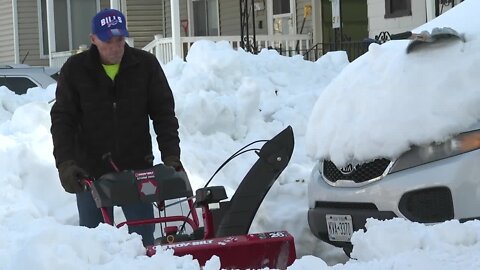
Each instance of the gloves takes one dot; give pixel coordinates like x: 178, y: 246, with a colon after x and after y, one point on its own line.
x: 174, y: 162
x: 70, y: 174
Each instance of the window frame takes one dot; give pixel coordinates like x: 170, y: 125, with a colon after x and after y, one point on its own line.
x: 192, y: 13
x: 291, y: 16
x: 282, y: 14
x: 43, y: 27
x: 397, y: 13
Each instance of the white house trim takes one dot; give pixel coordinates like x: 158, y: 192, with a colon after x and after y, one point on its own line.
x: 16, y: 47
x: 51, y: 29
x: 430, y: 5
x: 293, y: 17
x: 190, y: 17
x: 175, y: 14
x: 115, y: 4
x: 270, y: 17
x: 218, y: 17
x: 69, y: 25
x: 41, y: 31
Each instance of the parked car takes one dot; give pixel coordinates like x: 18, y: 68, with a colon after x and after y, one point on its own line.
x: 429, y: 180
x: 427, y: 184
x: 20, y: 77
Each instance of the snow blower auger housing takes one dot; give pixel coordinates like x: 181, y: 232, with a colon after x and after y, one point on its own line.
x: 225, y: 230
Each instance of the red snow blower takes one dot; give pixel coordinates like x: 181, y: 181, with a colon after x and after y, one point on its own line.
x: 224, y: 232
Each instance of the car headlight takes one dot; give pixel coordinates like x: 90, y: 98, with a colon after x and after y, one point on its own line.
x: 418, y: 155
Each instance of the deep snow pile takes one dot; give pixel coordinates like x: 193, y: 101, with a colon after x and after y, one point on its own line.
x: 226, y: 99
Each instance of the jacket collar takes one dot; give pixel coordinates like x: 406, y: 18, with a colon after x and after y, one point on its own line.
x: 93, y: 58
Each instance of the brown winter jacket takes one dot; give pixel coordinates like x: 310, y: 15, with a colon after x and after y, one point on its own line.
x: 94, y: 115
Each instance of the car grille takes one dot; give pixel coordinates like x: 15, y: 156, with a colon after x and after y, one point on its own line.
x: 359, y: 173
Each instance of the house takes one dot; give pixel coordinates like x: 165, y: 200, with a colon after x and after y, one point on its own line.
x: 397, y: 16
x: 25, y: 36
x: 47, y: 32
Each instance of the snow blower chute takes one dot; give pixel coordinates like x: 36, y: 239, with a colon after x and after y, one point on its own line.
x: 224, y: 232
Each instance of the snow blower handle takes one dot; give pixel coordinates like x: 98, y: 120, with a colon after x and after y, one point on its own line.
x: 86, y: 183
x: 108, y: 158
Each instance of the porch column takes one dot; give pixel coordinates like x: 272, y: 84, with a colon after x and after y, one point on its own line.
x: 115, y: 4
x: 430, y: 5
x: 317, y: 22
x: 175, y: 14
x: 269, y: 17
x: 15, y: 33
x: 51, y: 30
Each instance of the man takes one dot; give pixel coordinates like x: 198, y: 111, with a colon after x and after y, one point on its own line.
x: 104, y: 99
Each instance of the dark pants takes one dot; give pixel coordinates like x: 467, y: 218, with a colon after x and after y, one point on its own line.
x: 91, y: 216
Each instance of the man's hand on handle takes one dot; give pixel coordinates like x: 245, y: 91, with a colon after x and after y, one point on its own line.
x: 174, y: 162
x: 70, y: 175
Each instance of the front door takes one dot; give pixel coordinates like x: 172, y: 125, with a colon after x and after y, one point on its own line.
x: 353, y: 21
x: 282, y: 17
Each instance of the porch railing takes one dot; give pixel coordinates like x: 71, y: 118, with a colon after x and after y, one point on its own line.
x: 57, y: 59
x: 284, y: 44
x: 162, y: 48
x: 354, y: 49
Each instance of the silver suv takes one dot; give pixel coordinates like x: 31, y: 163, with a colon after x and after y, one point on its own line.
x: 427, y: 184
x: 19, y: 78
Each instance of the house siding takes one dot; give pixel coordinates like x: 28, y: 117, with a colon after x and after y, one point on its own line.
x: 317, y: 20
x: 261, y: 25
x: 29, y: 34
x: 229, y: 13
x: 104, y: 4
x: 229, y: 17
x: 308, y: 27
x: 144, y: 20
x: 377, y: 23
x: 167, y: 31
x: 7, y: 53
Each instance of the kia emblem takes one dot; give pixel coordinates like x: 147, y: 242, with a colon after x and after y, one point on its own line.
x: 347, y: 169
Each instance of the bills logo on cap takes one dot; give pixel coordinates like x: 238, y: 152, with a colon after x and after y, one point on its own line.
x: 109, y: 23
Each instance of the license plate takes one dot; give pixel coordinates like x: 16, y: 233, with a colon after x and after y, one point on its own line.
x: 339, y: 227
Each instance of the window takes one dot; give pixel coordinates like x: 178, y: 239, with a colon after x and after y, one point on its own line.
x: 281, y: 7
x: 19, y: 85
x: 205, y: 18
x: 72, y: 23
x: 398, y: 8
x: 283, y: 16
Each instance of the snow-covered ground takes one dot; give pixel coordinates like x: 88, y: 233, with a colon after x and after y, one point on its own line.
x: 226, y: 99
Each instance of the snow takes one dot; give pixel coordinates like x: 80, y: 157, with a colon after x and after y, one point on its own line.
x: 226, y: 99
x: 411, y: 88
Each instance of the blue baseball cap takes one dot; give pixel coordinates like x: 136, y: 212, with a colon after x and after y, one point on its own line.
x: 109, y: 23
